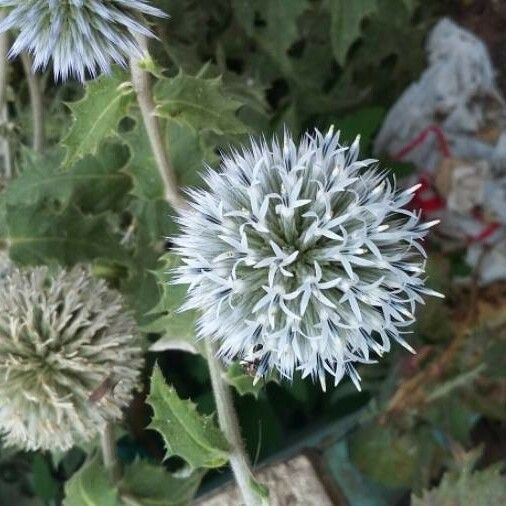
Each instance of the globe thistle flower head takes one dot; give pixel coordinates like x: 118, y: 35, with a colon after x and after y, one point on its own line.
x: 62, y: 338
x: 79, y: 35
x: 302, y: 258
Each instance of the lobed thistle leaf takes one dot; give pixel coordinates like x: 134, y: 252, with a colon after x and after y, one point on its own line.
x: 186, y: 433
x: 302, y: 258
x: 90, y: 486
x: 79, y: 35
x: 143, y: 484
x: 61, y: 338
x: 97, y: 115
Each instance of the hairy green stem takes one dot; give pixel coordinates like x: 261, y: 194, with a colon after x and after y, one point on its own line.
x: 227, y: 415
x: 142, y: 86
x: 5, y: 148
x: 229, y: 424
x: 36, y: 100
x: 109, y: 455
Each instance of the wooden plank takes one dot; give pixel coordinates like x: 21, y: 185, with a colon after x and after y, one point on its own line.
x: 293, y: 482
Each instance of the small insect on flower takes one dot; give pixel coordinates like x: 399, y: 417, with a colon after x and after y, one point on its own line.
x: 61, y: 336
x: 79, y: 35
x: 251, y: 365
x: 302, y: 258
x: 105, y: 388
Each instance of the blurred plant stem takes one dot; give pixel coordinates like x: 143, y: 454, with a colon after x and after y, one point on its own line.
x: 36, y: 100
x: 109, y: 455
x: 227, y: 415
x: 142, y: 86
x: 229, y: 423
x: 5, y: 148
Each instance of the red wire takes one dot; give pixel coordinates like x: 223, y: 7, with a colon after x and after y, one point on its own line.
x: 443, y: 145
x: 434, y: 202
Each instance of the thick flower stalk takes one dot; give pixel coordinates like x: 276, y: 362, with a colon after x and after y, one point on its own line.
x: 302, y: 258
x: 79, y: 35
x: 69, y: 358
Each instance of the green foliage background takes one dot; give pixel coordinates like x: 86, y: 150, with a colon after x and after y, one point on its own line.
x: 223, y: 70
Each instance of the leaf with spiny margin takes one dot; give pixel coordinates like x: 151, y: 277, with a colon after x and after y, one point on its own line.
x: 200, y: 103
x: 90, y: 487
x: 178, y: 335
x: 186, y: 433
x: 190, y: 151
x: 242, y: 382
x: 140, y: 287
x: 279, y: 30
x: 346, y: 18
x: 37, y: 234
x: 95, y: 183
x: 151, y: 485
x: 147, y: 183
x: 186, y: 150
x: 464, y: 487
x: 97, y: 114
x: 177, y: 329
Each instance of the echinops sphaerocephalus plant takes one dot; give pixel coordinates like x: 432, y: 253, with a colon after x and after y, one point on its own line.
x: 79, y: 35
x: 61, y: 336
x: 302, y: 257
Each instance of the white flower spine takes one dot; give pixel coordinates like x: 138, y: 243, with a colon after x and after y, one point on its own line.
x: 70, y: 358
x: 79, y: 35
x: 302, y: 258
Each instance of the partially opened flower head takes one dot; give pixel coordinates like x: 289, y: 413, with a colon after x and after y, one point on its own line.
x: 302, y: 258
x: 79, y: 35
x: 69, y: 358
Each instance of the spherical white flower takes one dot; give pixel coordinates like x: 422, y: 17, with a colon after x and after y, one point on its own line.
x: 69, y: 358
x: 302, y: 258
x: 79, y: 35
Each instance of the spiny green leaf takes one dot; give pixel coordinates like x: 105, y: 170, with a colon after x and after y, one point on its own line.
x: 178, y: 332
x: 90, y: 487
x: 381, y: 53
x: 177, y: 329
x: 186, y: 433
x: 97, y: 114
x: 187, y: 151
x: 151, y: 485
x: 199, y: 103
x: 465, y: 487
x: 95, y: 184
x: 274, y: 36
x: 38, y: 235
x: 242, y: 382
x: 147, y: 183
x: 140, y: 287
x: 346, y: 18
x: 281, y: 30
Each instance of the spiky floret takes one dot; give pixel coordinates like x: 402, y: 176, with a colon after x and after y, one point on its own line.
x: 302, y: 257
x: 61, y: 338
x: 79, y: 35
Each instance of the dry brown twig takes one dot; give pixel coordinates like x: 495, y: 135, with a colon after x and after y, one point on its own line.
x: 412, y: 392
